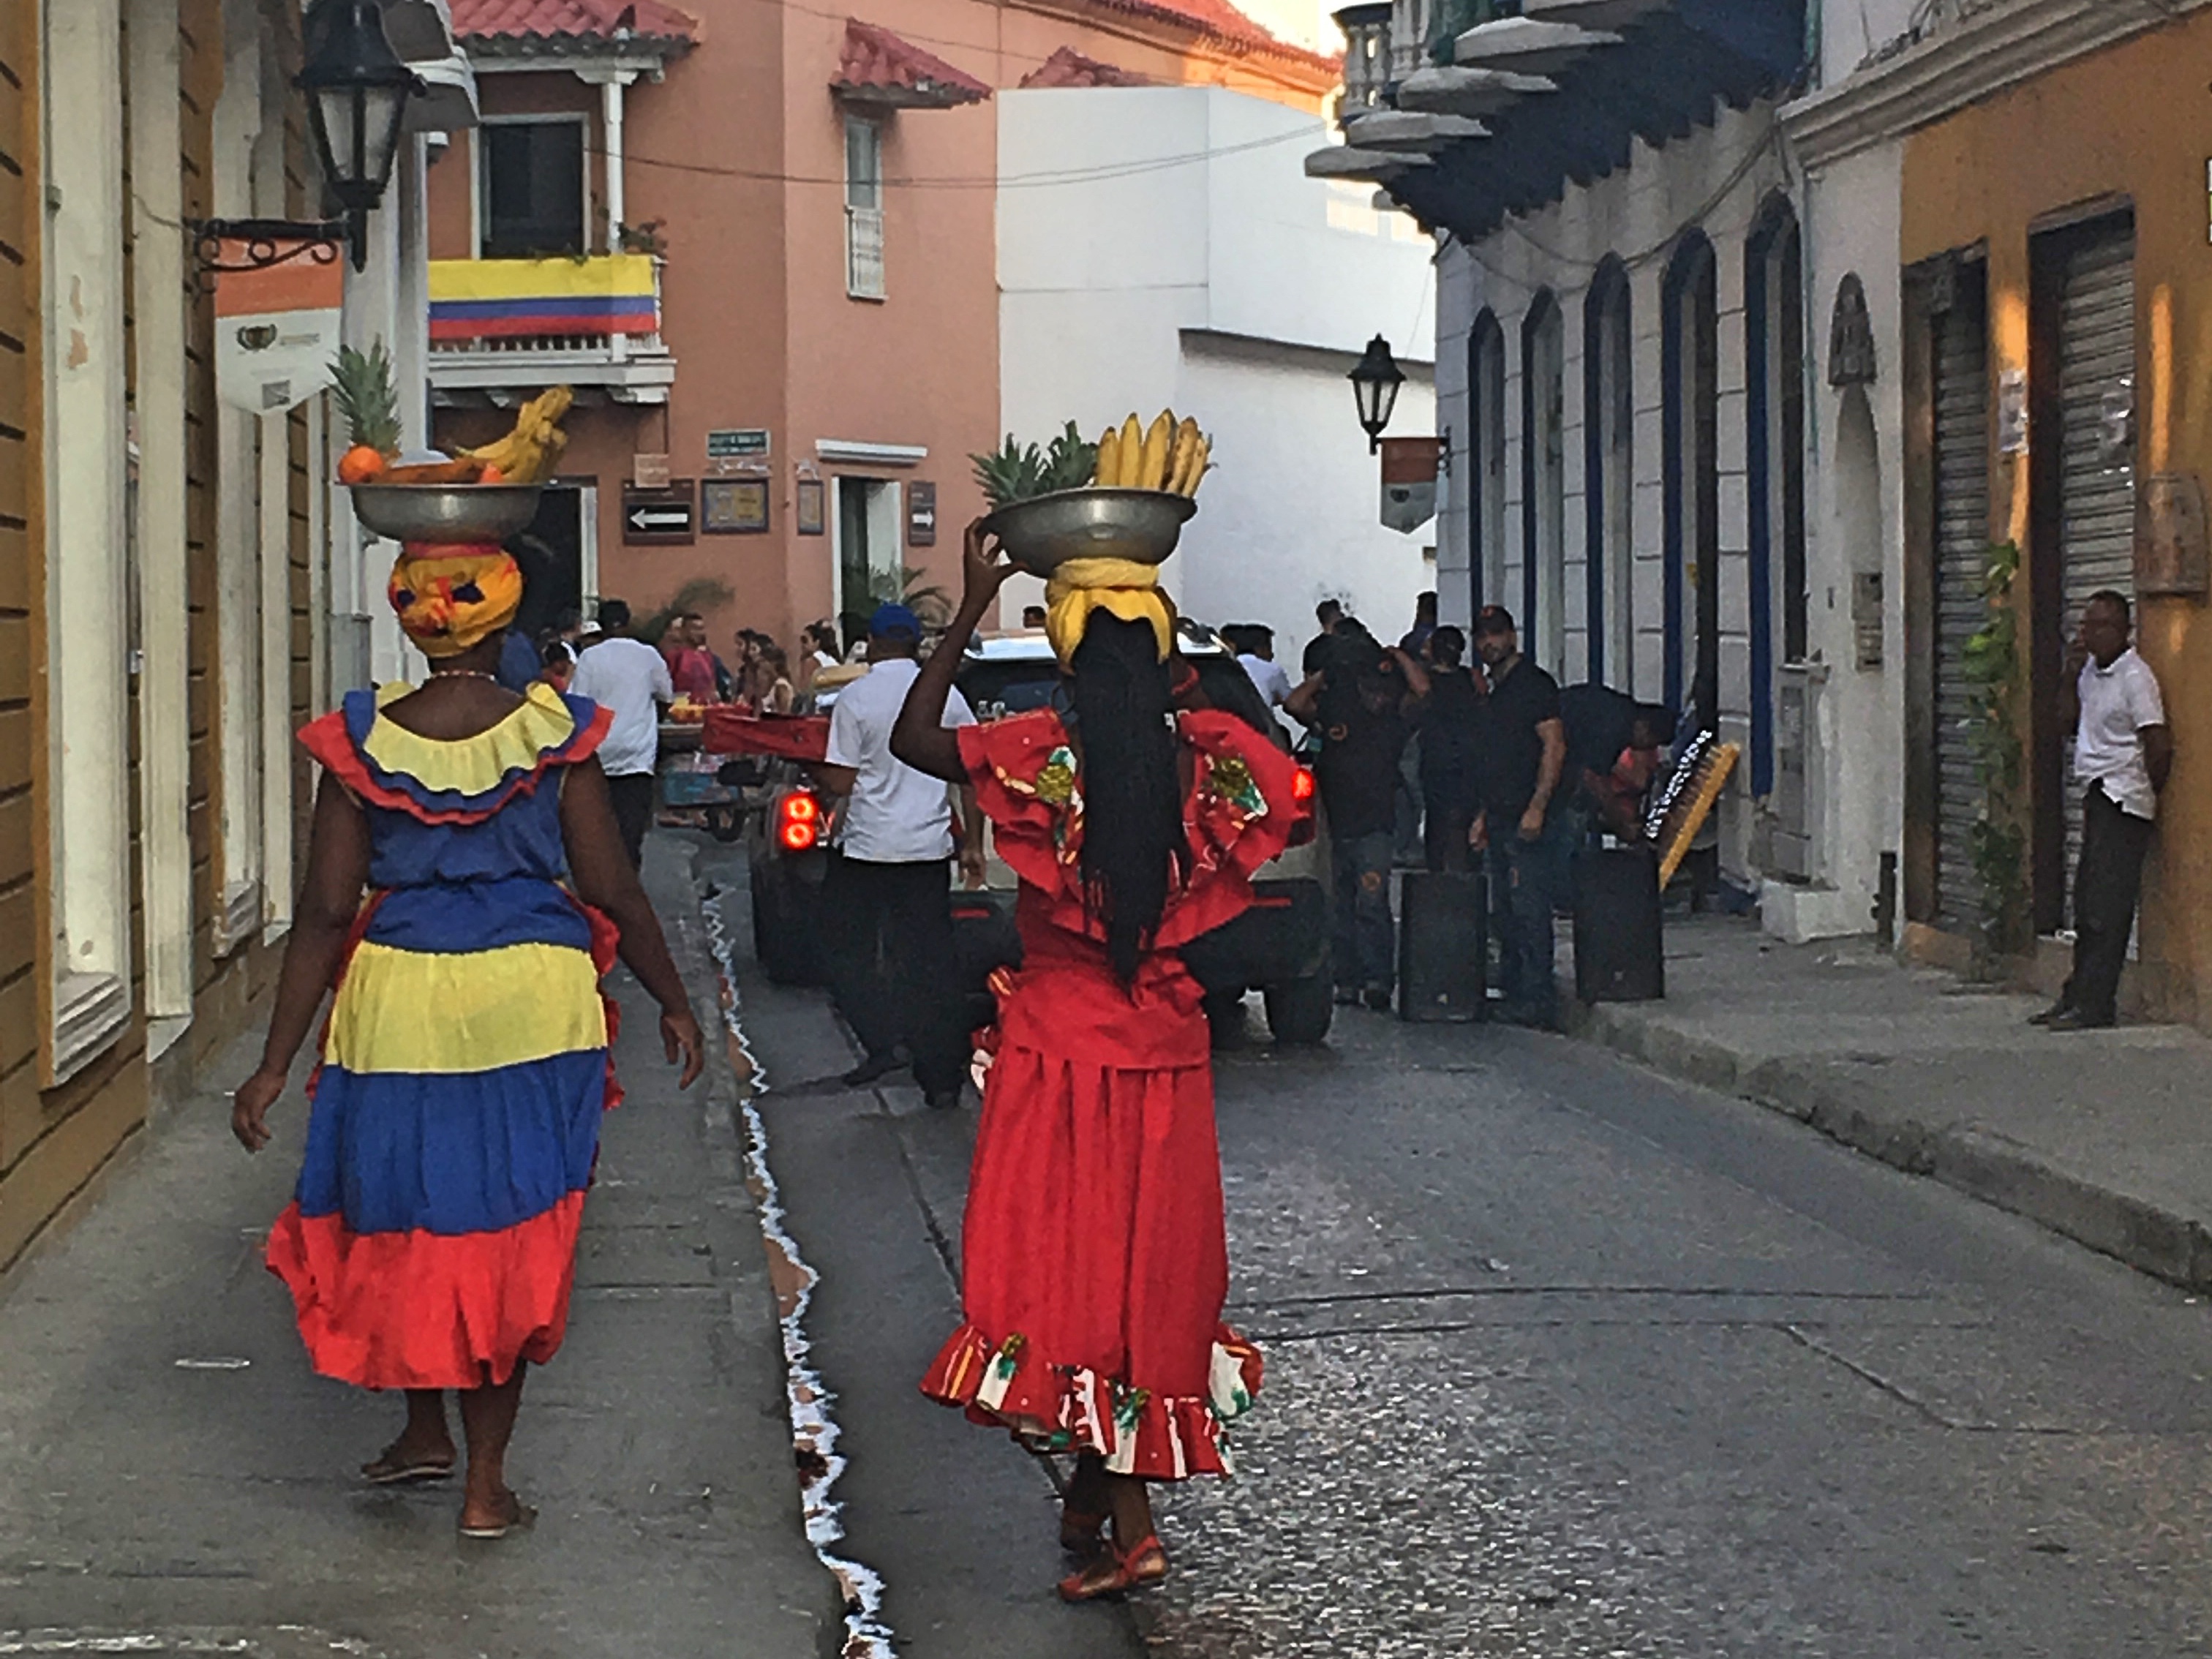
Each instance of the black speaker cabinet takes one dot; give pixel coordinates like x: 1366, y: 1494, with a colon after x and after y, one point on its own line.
x: 1444, y: 947
x: 1619, y: 956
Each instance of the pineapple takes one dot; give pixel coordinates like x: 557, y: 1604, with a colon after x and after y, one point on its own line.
x: 362, y: 383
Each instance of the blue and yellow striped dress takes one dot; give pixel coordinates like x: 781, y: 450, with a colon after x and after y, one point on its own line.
x: 432, y: 1241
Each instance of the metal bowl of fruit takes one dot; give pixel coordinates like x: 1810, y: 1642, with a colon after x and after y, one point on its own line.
x: 1141, y: 526
x: 447, y: 512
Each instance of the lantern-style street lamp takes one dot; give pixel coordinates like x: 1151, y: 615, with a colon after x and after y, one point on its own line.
x: 357, y: 89
x: 1375, y: 382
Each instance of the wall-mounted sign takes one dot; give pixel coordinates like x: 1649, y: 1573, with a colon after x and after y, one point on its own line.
x: 659, y: 518
x: 2012, y: 412
x: 811, y: 511
x: 1410, y: 469
x: 1866, y: 619
x: 921, y: 514
x: 733, y: 507
x: 276, y: 328
x: 649, y: 471
x: 733, y: 443
x: 2173, y: 552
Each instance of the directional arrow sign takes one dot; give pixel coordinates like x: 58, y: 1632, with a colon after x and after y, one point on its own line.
x: 660, y: 518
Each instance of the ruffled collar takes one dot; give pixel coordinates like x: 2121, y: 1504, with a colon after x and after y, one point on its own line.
x: 453, y: 780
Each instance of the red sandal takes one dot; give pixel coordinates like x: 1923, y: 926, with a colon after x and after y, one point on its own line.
x: 1145, y: 1562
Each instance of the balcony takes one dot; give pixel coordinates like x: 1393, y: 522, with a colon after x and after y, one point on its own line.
x: 502, y: 329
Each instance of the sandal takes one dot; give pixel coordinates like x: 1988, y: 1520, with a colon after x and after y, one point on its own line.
x: 391, y: 1470
x: 521, y: 1519
x: 1145, y: 1562
x: 1082, y: 1533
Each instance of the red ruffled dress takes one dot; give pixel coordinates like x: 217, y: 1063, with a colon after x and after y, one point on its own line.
x: 431, y: 1242
x: 1094, y: 1259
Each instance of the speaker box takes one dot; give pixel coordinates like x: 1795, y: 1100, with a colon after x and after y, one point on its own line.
x: 1444, y: 947
x: 1619, y: 956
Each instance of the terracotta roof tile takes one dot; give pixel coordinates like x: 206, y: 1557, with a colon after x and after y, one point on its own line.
x: 1220, y: 21
x: 875, y: 60
x: 571, y: 22
x: 1070, y: 68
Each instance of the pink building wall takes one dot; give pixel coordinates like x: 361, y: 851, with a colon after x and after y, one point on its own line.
x: 739, y: 153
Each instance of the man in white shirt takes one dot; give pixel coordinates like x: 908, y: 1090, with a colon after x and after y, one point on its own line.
x: 1256, y: 655
x: 631, y: 679
x: 888, y: 892
x: 2122, y: 753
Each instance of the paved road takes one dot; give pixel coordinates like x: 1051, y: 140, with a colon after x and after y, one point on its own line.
x: 1563, y: 1360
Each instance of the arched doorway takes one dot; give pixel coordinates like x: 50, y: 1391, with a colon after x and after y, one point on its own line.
x: 1609, y: 468
x: 1774, y: 432
x: 1690, y: 422
x: 1543, y: 484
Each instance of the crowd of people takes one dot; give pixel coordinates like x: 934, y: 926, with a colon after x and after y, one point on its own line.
x: 1424, y: 757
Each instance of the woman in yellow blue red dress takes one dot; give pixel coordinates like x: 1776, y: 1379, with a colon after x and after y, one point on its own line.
x: 1094, y: 1262
x: 465, y: 889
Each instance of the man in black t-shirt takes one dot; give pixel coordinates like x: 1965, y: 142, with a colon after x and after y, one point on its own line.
x: 1453, y: 723
x: 1360, y: 701
x: 1524, y: 760
x: 1328, y: 614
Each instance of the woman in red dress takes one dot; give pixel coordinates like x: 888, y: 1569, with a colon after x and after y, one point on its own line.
x: 1095, y: 1264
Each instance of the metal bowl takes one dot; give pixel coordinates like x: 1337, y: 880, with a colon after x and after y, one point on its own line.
x: 1142, y: 525
x: 447, y: 512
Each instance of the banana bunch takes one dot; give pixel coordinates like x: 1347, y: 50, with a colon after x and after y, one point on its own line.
x: 529, y: 453
x: 1169, y: 455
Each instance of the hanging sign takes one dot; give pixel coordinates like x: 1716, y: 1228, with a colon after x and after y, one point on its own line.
x: 1410, y: 467
x: 276, y: 324
x: 649, y: 471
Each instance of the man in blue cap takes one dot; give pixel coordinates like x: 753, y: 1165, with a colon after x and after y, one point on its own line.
x: 888, y: 892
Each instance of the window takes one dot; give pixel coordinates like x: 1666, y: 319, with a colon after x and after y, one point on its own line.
x: 532, y: 184
x: 864, y: 208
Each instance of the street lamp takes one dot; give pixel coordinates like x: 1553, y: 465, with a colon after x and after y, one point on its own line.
x: 1375, y: 379
x: 357, y: 89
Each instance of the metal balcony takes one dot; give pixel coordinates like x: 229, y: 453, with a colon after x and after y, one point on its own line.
x: 502, y: 329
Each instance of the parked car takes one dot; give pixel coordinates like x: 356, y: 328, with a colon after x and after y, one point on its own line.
x: 1278, y: 947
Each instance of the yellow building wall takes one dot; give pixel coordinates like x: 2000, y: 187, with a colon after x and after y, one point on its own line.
x: 2132, y: 124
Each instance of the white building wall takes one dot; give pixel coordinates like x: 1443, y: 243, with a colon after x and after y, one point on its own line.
x: 1233, y: 288
x: 1717, y: 179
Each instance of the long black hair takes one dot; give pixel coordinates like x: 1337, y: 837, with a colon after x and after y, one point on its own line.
x: 1133, y: 844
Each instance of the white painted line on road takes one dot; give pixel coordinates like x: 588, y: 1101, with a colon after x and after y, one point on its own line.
x: 813, y: 1428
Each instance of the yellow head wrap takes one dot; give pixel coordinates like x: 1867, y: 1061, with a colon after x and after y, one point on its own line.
x: 1121, y: 588
x: 452, y: 596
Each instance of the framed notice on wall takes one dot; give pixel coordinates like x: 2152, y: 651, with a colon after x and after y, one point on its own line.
x: 733, y: 507
x: 921, y: 514
x: 811, y: 509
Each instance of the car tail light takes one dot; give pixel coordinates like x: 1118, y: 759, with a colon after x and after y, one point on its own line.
x: 1302, y: 797
x: 798, y: 821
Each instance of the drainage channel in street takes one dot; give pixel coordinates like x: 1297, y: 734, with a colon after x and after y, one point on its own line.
x: 813, y: 1424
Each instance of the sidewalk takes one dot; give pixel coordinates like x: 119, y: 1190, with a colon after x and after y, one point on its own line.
x: 2105, y: 1136
x: 172, y: 1479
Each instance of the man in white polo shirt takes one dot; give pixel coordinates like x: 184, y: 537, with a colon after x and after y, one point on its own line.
x: 2123, y: 752
x: 631, y: 679
x: 888, y: 892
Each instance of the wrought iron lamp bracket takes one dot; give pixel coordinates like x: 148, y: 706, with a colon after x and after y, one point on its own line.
x: 268, y: 242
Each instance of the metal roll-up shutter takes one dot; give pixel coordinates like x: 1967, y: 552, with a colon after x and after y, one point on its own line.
x: 1961, y: 397
x: 2097, y: 485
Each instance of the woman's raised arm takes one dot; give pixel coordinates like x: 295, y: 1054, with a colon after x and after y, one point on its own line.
x: 921, y: 737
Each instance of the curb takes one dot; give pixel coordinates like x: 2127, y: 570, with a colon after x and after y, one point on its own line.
x: 2165, y: 1242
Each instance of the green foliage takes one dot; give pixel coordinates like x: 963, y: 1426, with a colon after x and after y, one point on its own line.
x: 700, y: 593
x: 1998, y: 840
x: 912, y: 587
x: 1016, y: 472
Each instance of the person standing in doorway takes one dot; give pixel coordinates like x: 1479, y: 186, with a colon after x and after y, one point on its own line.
x: 1527, y: 756
x: 889, y: 889
x: 2122, y: 753
x: 630, y: 679
x: 1453, y: 721
x: 1362, y: 702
